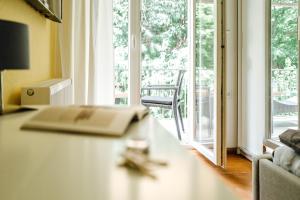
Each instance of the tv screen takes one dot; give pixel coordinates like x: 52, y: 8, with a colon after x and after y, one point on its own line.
x: 52, y: 9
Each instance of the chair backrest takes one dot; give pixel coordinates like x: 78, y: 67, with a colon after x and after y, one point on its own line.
x: 179, y: 80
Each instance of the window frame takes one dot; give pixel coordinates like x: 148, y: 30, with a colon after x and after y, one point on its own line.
x: 269, y: 139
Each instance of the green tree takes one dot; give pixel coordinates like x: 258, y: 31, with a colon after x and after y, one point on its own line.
x: 164, y: 48
x: 284, y: 48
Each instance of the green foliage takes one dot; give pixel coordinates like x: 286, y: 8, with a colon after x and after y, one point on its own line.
x: 205, y: 51
x: 120, y: 43
x: 164, y: 47
x: 284, y: 49
x: 120, y: 23
x: 205, y: 30
x: 284, y: 37
x: 164, y: 35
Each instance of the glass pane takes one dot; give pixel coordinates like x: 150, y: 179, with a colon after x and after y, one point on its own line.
x: 284, y: 65
x: 120, y: 43
x: 205, y: 73
x: 164, y: 51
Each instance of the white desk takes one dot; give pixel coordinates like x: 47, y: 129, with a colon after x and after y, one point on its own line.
x: 60, y: 166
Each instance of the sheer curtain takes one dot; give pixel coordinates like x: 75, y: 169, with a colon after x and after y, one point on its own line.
x: 85, y: 43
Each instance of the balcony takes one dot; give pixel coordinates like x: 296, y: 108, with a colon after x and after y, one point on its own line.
x: 284, y: 100
x: 159, y: 76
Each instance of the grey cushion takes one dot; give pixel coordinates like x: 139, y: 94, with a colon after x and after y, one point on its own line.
x: 291, y: 138
x: 286, y: 158
x: 157, y: 100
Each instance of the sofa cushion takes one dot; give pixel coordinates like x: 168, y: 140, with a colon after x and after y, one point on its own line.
x: 287, y: 158
x: 291, y: 138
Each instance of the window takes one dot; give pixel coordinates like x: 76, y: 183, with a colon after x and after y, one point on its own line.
x: 205, y: 73
x: 284, y: 61
x: 120, y: 43
x: 164, y: 47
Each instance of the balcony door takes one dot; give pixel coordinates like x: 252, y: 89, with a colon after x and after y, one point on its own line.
x: 206, y: 104
x: 156, y: 38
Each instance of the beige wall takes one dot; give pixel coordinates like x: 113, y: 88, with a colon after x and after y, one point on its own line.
x: 42, y: 33
x: 231, y: 72
x: 252, y: 76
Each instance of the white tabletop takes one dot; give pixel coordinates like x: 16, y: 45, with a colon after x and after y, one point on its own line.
x: 38, y: 165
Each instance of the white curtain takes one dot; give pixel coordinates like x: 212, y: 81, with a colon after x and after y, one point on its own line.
x: 85, y: 43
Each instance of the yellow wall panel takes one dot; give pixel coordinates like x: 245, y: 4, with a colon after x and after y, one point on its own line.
x: 42, y: 33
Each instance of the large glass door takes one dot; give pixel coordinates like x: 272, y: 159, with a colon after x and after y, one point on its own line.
x: 284, y: 62
x: 154, y: 39
x: 207, y: 136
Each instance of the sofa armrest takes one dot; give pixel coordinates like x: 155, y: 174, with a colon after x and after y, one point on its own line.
x: 255, y: 174
x: 271, y: 182
x: 276, y: 183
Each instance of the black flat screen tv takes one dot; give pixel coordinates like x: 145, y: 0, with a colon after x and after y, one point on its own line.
x: 51, y: 9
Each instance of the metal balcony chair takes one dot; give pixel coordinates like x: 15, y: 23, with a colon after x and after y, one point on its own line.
x: 168, y: 102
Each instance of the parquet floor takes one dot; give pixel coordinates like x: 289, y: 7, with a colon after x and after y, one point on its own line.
x: 237, y: 175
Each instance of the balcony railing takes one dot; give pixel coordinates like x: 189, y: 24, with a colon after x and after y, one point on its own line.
x: 157, y: 76
x: 284, y: 84
x: 153, y: 76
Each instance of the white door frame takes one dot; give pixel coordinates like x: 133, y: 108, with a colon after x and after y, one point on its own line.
x: 134, y: 42
x: 191, y: 70
x: 218, y: 156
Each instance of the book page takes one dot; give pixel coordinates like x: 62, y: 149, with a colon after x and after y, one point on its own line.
x: 87, y: 119
x: 77, y: 115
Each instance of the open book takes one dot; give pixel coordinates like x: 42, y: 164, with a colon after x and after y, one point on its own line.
x: 86, y: 119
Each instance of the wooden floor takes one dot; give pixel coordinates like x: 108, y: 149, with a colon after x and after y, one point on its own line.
x: 237, y: 175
